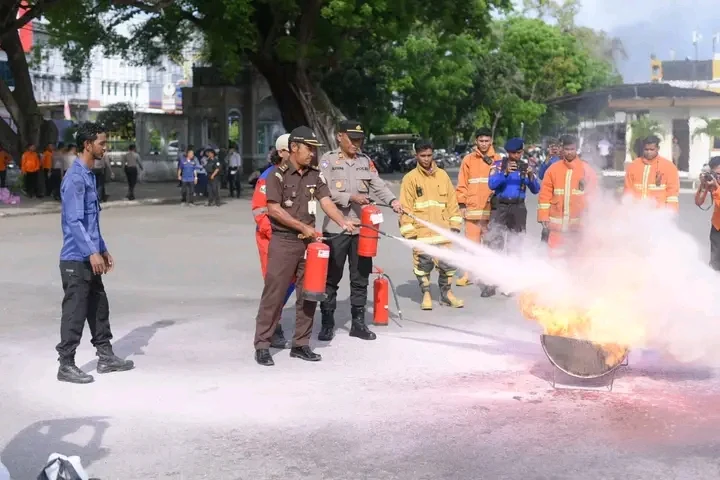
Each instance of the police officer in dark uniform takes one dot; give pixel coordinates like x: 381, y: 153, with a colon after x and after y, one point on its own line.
x: 213, y: 167
x: 352, y: 177
x: 293, y: 191
x: 509, y: 179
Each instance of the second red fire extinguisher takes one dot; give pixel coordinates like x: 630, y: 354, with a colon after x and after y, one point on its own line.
x: 370, y: 216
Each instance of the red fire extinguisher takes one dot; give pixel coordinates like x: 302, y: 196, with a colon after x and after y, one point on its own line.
x: 382, y: 286
x: 370, y: 216
x: 317, y: 257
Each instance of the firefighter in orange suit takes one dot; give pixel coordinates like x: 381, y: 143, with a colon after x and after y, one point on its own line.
x: 652, y: 176
x: 427, y: 193
x: 564, y: 193
x: 264, y: 230
x: 473, y: 193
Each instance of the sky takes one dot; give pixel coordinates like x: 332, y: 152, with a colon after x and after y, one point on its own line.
x: 653, y: 26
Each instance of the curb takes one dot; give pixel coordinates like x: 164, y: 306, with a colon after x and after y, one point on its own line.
x: 27, y: 212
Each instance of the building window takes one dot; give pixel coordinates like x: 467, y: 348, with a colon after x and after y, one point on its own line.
x: 125, y: 90
x: 102, y: 87
x: 77, y: 88
x: 115, y: 90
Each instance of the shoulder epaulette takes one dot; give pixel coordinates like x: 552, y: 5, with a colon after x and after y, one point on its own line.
x: 314, y: 167
x: 283, y: 168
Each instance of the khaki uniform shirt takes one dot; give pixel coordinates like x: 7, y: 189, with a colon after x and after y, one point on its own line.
x: 351, y: 176
x: 297, y: 193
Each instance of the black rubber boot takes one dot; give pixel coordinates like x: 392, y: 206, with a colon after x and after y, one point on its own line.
x: 69, y: 372
x: 327, y: 331
x: 358, y: 329
x: 278, y: 338
x: 488, y: 291
x: 263, y: 357
x: 109, y: 362
x: 305, y: 353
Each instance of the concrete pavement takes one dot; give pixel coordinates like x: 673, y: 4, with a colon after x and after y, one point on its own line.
x: 452, y: 394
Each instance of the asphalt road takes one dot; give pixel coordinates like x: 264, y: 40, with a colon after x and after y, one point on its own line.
x: 452, y: 394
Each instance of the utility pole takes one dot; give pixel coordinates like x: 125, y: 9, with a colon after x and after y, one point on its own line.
x: 696, y: 37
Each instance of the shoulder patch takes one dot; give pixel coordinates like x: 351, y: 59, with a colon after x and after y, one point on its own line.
x: 325, y: 164
x: 263, y: 188
x: 279, y: 175
x: 372, y: 166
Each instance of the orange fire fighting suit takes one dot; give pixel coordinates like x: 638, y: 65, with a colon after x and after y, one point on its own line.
x: 473, y: 195
x: 657, y: 179
x: 264, y: 230
x: 430, y: 196
x: 563, y: 198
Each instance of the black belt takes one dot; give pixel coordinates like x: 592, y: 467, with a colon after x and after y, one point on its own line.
x: 511, y: 201
x: 286, y: 233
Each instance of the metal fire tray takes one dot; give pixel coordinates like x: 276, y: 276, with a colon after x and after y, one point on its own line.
x: 582, y: 361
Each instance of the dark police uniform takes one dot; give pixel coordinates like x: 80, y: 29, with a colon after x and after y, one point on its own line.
x: 213, y: 164
x: 509, y: 214
x: 298, y: 194
x: 85, y: 297
x: 347, y: 177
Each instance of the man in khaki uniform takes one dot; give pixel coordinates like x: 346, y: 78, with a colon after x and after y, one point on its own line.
x: 352, y: 177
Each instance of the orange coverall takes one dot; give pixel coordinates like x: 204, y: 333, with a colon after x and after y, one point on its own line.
x: 264, y: 230
x: 563, y: 198
x: 657, y: 179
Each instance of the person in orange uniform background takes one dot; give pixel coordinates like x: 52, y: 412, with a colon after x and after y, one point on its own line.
x: 263, y: 230
x: 5, y: 161
x: 709, y: 184
x: 564, y: 193
x: 473, y: 193
x: 654, y: 177
x: 47, y: 163
x: 30, y: 168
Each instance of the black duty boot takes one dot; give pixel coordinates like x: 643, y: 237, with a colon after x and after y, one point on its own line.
x: 69, y: 372
x: 263, y: 357
x: 358, y: 328
x: 488, y: 291
x: 327, y: 331
x: 109, y: 362
x: 305, y: 353
x: 278, y: 339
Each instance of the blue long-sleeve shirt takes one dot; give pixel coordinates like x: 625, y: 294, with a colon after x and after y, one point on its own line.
x: 543, y: 167
x: 188, y: 169
x: 513, y: 185
x: 80, y: 215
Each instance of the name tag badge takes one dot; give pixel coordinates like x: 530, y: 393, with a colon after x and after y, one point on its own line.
x: 312, y: 207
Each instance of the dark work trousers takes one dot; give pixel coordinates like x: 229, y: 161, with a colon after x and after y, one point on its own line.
x: 234, y: 181
x: 714, y: 248
x: 346, y: 247
x: 55, y: 182
x: 506, y: 219
x: 84, y: 299
x: 131, y: 173
x: 100, y: 183
x: 31, y: 183
x: 214, y: 191
x: 187, y: 192
x: 286, y: 258
x: 47, y: 187
x: 3, y: 178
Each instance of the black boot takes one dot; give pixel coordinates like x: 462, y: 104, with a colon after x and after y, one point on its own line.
x: 358, y: 328
x: 305, y: 353
x: 109, y: 362
x: 263, y: 357
x: 278, y: 339
x: 488, y: 291
x: 327, y: 331
x: 69, y: 372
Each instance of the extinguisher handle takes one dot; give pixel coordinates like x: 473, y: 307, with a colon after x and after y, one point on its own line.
x: 318, y: 237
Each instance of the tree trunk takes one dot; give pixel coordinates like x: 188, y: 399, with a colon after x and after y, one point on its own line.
x: 299, y: 101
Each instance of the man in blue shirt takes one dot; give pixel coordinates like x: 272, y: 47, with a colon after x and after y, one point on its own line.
x: 509, y: 179
x: 188, y: 176
x: 84, y: 258
x: 552, y: 157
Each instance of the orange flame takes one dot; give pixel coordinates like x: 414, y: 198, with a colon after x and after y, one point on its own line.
x: 568, y: 321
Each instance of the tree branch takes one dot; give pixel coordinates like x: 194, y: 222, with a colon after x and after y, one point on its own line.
x: 158, y: 8
x: 35, y: 11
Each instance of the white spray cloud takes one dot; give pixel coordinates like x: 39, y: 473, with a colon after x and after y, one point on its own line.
x: 641, y: 279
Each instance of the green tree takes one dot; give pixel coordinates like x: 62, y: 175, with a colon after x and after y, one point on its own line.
x: 293, y: 44
x: 642, y: 127
x: 711, y: 130
x: 119, y: 120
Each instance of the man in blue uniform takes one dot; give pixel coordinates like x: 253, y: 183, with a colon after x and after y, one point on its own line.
x: 84, y: 258
x: 509, y: 179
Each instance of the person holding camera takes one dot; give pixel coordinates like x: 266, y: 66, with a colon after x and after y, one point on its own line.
x: 509, y: 179
x: 709, y: 179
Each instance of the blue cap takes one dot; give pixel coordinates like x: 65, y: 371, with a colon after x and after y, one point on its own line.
x: 514, y: 145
